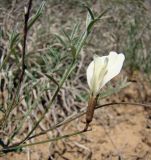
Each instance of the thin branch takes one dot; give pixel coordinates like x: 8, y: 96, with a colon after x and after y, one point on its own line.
x: 52, y: 79
x: 16, y: 147
x: 27, y: 14
x: 82, y: 112
x: 25, y: 32
x: 65, y: 76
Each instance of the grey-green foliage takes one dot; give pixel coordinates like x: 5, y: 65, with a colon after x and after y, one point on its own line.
x: 137, y: 27
x: 45, y: 74
x: 126, y: 29
x: 134, y: 44
x: 137, y: 57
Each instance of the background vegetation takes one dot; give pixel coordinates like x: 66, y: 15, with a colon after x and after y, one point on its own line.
x: 124, y: 28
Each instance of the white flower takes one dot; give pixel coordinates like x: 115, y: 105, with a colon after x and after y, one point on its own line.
x: 103, y: 69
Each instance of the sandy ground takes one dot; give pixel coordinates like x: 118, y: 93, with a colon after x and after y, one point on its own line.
x: 118, y: 133
x: 126, y: 135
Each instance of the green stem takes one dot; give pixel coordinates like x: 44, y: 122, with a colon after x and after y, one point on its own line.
x: 70, y: 119
x: 81, y: 42
x: 12, y: 148
x: 67, y: 73
x: 65, y: 76
x: 23, y: 121
x: 83, y: 111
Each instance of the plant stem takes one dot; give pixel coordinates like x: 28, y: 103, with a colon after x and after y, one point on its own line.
x: 12, y: 148
x: 83, y: 111
x: 90, y: 111
x: 65, y: 76
x: 67, y: 73
x: 25, y: 32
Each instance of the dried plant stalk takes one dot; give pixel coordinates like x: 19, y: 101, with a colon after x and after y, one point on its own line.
x: 90, y: 111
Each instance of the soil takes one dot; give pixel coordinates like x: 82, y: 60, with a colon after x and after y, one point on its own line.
x: 117, y: 133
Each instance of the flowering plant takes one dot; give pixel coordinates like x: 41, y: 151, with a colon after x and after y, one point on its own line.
x: 100, y: 71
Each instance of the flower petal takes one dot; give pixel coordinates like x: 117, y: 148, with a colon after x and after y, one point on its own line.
x: 114, y: 66
x: 95, y: 73
x: 90, y: 70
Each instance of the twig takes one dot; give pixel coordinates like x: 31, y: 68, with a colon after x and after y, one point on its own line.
x: 82, y: 112
x: 66, y: 74
x: 25, y: 32
x: 27, y: 14
x: 16, y: 147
